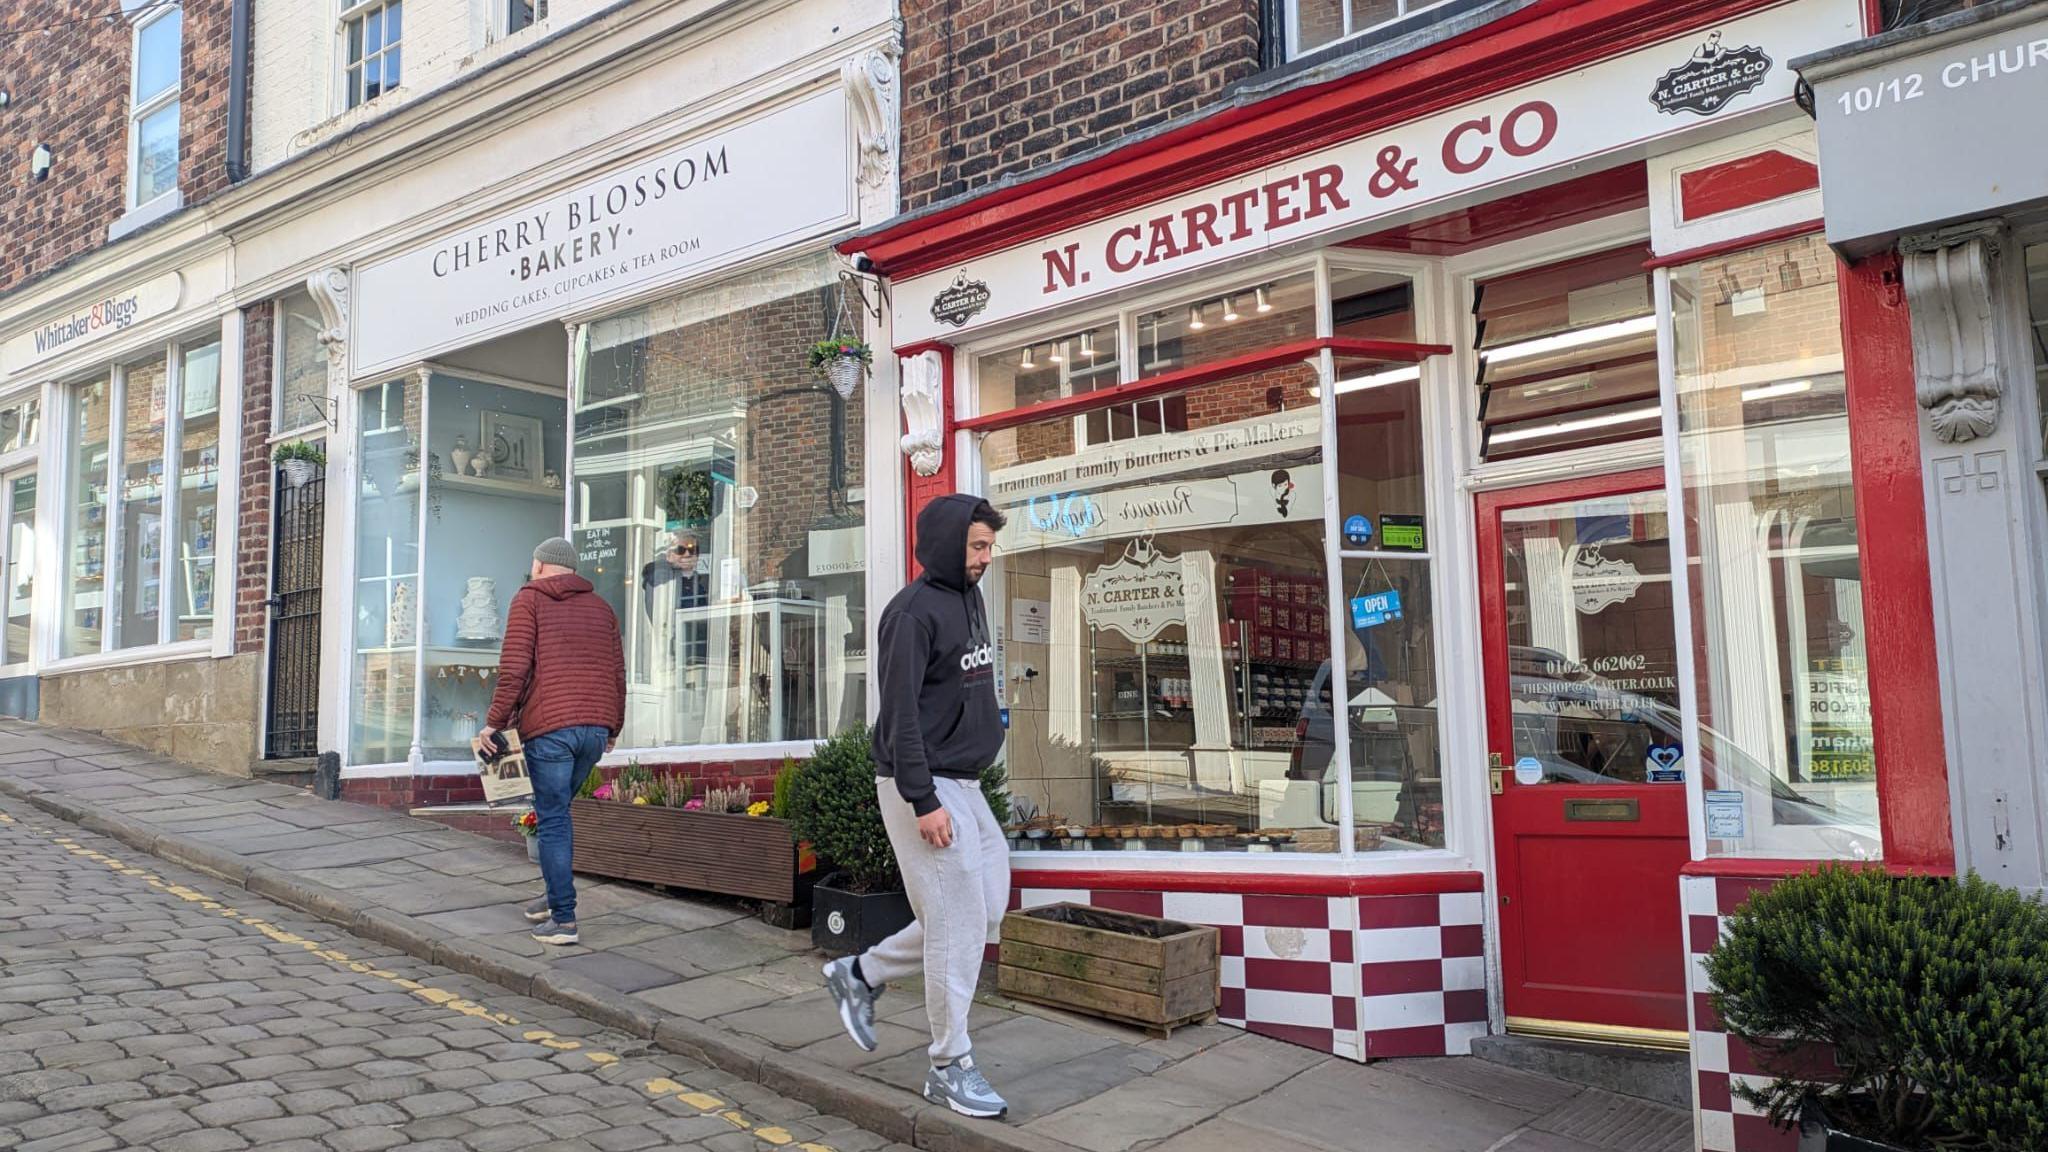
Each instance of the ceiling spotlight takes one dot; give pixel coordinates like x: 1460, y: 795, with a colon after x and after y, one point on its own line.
x: 1229, y: 308
x: 1027, y: 361
x: 1265, y: 305
x: 1058, y: 352
x: 1195, y: 321
x: 1087, y: 345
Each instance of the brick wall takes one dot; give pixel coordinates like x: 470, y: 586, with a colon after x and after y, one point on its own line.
x: 252, y: 554
x: 997, y: 87
x: 67, y: 75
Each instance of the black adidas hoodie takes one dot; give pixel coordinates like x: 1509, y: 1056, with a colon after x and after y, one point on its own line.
x: 939, y: 713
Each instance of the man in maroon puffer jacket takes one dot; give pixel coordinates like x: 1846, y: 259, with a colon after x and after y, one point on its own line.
x: 562, y: 685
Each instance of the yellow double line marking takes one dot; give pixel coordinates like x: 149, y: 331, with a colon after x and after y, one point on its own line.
x: 660, y: 1088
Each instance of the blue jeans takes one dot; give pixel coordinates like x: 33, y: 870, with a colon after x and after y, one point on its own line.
x: 559, y: 762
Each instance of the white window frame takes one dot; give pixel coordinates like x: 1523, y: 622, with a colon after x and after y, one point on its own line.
x: 353, y: 11
x: 50, y: 610
x: 1403, y: 10
x: 15, y: 464
x: 145, y: 17
x: 504, y: 11
x: 1468, y: 811
x: 286, y: 425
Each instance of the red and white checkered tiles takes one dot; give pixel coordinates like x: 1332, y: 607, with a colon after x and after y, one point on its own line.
x: 1359, y: 977
x: 1722, y: 1120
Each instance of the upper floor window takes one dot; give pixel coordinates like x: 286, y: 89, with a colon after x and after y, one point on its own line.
x: 153, y: 104
x: 524, y: 14
x: 1313, y: 24
x: 372, y: 31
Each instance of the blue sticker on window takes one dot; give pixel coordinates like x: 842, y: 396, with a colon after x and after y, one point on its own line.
x: 1357, y: 531
x: 1376, y: 609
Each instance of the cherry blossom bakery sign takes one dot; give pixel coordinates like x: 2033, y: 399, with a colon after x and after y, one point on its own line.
x: 1610, y: 107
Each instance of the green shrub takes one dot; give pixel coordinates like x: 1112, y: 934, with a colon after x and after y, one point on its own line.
x: 778, y: 802
x: 995, y: 786
x: 1932, y: 992
x: 832, y: 804
x: 299, y: 450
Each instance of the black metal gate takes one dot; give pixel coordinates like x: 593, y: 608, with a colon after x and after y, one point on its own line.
x: 295, y: 573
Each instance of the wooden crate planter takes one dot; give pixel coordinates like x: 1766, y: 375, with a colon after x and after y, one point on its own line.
x: 749, y: 856
x: 1156, y: 974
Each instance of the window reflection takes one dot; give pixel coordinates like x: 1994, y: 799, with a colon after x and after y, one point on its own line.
x: 1782, y: 658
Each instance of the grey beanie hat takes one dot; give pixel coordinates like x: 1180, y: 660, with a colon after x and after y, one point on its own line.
x: 557, y: 551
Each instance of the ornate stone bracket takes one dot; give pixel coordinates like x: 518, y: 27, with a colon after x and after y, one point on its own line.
x: 922, y: 387
x: 871, y: 82
x: 329, y: 288
x: 1960, y: 378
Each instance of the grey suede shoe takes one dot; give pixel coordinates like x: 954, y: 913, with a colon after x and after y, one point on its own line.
x: 962, y: 1087
x: 856, y: 1002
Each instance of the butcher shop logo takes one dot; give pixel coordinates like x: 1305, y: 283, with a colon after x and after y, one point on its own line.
x: 960, y: 301
x: 1714, y: 76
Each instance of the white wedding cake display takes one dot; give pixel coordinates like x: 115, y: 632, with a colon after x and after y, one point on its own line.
x: 478, y: 622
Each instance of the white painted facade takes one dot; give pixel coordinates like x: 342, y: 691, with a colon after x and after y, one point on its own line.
x: 485, y: 126
x: 297, y: 53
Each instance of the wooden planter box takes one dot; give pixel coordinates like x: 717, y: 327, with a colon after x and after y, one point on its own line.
x: 750, y: 856
x: 1156, y: 974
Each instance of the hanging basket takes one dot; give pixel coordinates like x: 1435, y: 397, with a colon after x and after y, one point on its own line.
x: 844, y: 374
x: 298, y: 472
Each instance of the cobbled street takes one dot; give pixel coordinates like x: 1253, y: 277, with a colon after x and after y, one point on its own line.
x: 143, y: 1007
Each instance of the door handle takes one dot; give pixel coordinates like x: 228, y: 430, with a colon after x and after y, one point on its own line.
x: 1496, y: 773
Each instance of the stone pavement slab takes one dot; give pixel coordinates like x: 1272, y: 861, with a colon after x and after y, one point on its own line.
x: 706, y: 979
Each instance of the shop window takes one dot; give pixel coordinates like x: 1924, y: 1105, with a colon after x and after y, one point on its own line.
x: 1313, y: 24
x: 153, y: 104
x: 21, y: 424
x: 371, y: 34
x: 389, y: 423
x: 714, y: 502
x: 1073, y: 364
x: 85, y: 598
x: 300, y: 394
x: 1212, y: 328
x: 1567, y: 355
x: 195, y: 544
x: 144, y: 449
x: 445, y: 528
x: 1173, y: 612
x: 20, y: 494
x: 1782, y: 653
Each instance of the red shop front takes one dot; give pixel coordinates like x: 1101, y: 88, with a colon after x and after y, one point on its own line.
x: 1445, y: 513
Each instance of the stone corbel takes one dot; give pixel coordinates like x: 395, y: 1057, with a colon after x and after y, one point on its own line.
x: 1959, y: 375
x: 922, y: 387
x: 871, y: 83
x: 329, y: 288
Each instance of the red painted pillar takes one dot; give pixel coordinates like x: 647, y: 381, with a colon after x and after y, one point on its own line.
x: 1898, y: 600
x: 922, y: 490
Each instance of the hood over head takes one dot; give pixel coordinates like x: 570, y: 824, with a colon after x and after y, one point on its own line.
x: 561, y: 587
x: 942, y: 538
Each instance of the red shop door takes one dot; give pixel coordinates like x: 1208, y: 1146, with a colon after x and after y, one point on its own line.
x: 1586, y: 758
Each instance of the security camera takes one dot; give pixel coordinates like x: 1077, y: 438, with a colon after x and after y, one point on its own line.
x: 862, y: 264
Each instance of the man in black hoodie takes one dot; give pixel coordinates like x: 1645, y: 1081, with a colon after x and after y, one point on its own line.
x: 940, y: 725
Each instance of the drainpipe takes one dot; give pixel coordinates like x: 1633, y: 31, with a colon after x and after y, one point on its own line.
x: 238, y: 91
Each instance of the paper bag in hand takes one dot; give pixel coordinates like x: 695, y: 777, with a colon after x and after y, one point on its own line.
x: 504, y: 774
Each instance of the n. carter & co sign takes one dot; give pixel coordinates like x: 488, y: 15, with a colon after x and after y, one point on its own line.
x: 1597, y: 110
